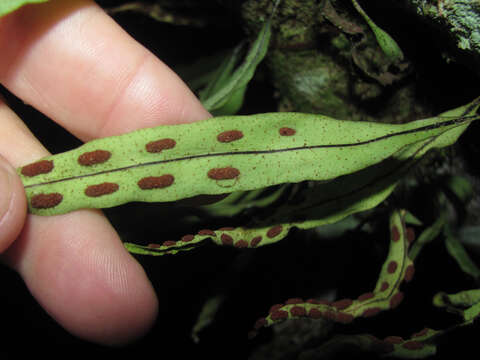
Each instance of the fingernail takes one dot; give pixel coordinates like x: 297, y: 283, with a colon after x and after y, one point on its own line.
x: 6, y: 187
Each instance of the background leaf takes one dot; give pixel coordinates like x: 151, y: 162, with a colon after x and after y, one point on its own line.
x: 228, y: 98
x: 458, y: 252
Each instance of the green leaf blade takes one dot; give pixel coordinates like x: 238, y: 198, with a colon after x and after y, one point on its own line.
x: 262, y: 155
x: 398, y: 268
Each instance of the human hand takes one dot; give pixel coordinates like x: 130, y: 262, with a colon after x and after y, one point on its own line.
x: 72, y: 62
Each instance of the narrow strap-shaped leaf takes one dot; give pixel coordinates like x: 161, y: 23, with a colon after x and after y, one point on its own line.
x: 222, y: 155
x: 458, y: 252
x: 386, y: 294
x: 239, y: 237
x: 240, y: 78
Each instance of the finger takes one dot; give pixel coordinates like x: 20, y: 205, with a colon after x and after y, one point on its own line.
x: 75, y: 265
x: 75, y: 64
x: 13, y: 207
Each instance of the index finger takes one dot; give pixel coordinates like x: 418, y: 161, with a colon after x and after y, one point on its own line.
x: 96, y: 80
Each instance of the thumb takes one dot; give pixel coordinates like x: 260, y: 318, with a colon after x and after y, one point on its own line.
x: 13, y: 205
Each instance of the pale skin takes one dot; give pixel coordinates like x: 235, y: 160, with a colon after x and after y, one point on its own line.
x: 71, y: 61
